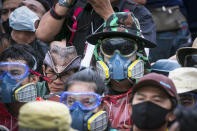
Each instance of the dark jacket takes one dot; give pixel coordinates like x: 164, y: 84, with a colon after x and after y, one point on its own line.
x: 160, y: 3
x: 87, y: 16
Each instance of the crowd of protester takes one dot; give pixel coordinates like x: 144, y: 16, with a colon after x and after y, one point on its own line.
x: 98, y: 65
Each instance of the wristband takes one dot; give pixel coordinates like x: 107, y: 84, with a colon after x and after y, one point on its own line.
x: 55, y: 15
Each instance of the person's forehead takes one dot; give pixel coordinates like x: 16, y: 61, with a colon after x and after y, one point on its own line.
x: 11, y: 3
x: 34, y: 3
x: 152, y: 91
x: 13, y: 60
x: 81, y: 86
x: 58, y: 43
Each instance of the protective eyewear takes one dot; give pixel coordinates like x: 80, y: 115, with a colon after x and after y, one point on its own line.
x: 54, y: 76
x: 6, y: 11
x: 85, y: 100
x: 188, y: 99
x: 190, y: 61
x: 126, y: 47
x: 14, y: 70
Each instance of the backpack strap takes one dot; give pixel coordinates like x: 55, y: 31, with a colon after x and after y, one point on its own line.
x: 74, y: 26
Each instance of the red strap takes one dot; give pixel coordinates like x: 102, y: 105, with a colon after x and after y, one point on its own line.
x: 38, y: 74
x: 113, y: 98
x: 74, y: 27
x: 126, y: 10
x: 39, y: 99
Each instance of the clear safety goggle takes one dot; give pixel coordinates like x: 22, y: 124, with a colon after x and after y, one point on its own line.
x: 14, y: 70
x: 126, y: 47
x: 190, y: 61
x: 84, y: 100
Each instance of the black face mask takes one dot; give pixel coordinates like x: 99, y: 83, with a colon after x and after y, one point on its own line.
x: 7, y: 27
x: 148, y: 115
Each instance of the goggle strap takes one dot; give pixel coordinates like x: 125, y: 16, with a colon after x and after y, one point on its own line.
x: 38, y: 74
x: 96, y: 51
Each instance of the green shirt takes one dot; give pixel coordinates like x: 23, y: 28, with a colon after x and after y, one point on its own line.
x: 42, y: 89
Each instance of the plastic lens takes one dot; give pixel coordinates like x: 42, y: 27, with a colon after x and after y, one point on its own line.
x: 124, y: 46
x: 86, y: 100
x: 190, y: 61
x: 15, y: 70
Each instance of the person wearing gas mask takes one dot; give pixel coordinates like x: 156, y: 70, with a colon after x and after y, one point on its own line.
x: 185, y: 81
x: 83, y: 98
x: 23, y: 22
x: 153, y: 102
x: 121, y: 61
x: 60, y: 62
x: 76, y: 19
x: 18, y: 78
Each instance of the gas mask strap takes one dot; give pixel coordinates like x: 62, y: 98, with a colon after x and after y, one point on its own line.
x: 35, y: 61
x: 96, y: 51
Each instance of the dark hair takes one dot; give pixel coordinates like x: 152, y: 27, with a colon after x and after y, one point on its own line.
x: 45, y: 4
x: 186, y: 118
x: 87, y: 75
x: 20, y: 52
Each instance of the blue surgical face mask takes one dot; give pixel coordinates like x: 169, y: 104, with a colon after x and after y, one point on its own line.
x: 7, y: 86
x: 118, y: 66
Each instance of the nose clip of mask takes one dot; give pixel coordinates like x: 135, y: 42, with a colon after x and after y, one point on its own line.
x: 98, y: 122
x: 136, y: 69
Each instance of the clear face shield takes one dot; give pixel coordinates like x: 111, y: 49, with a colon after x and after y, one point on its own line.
x: 12, y: 74
x: 81, y: 107
x: 120, y: 59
